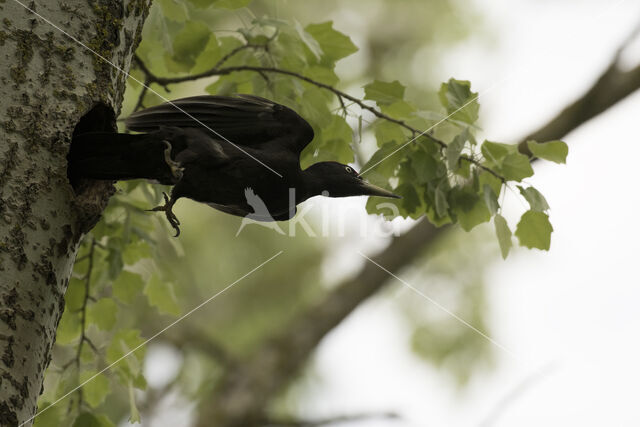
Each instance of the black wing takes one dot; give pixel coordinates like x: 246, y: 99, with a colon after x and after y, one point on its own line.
x: 242, y: 120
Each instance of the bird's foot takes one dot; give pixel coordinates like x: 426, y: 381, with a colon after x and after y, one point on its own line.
x: 176, y: 169
x: 167, y: 209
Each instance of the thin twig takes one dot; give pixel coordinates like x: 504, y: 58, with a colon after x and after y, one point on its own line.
x: 83, y: 316
x: 225, y: 58
x: 216, y: 71
x: 199, y: 340
x: 143, y: 92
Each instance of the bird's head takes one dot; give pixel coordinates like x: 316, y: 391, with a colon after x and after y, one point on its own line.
x: 339, y: 180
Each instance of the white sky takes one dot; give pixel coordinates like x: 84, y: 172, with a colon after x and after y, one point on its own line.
x: 572, y: 312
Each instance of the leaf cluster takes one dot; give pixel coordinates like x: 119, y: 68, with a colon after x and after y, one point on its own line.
x: 114, y: 270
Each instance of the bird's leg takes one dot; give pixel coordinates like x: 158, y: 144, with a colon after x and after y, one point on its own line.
x: 176, y: 169
x: 167, y: 209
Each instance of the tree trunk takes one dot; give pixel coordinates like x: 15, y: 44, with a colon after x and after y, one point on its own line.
x: 50, y: 85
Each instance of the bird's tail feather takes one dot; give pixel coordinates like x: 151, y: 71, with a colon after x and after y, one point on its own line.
x: 119, y: 156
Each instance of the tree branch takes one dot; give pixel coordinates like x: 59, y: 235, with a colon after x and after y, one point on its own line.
x: 246, y: 391
x: 200, y: 341
x: 151, y: 78
x: 217, y: 71
x: 613, y: 85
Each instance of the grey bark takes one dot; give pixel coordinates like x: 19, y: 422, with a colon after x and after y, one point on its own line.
x: 48, y: 83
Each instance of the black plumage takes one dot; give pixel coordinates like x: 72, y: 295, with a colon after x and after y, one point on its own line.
x: 212, y: 149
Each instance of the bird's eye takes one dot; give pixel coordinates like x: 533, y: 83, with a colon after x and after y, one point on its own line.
x: 348, y: 169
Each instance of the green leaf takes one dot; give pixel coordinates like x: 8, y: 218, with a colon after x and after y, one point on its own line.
x: 315, y: 109
x: 461, y: 103
x: 87, y: 355
x: 442, y: 206
x: 213, y: 52
x: 464, y: 168
x: 504, y: 234
x: 188, y: 44
x: 405, y: 172
x: 311, y: 43
x: 68, y: 328
x: 506, y: 160
x: 555, y: 151
x: 322, y: 74
x: 495, y: 152
x: 50, y: 416
x: 516, y: 167
x: 534, y: 230
x: 398, y: 109
x: 74, y: 297
x: 491, y: 199
x: 103, y: 313
x: 95, y: 391
x: 239, y: 82
x: 135, y: 251
x: 174, y: 10
x: 334, y: 44
x: 122, y: 343
x: 469, y: 208
x: 87, y: 419
x: 114, y: 262
x: 384, y: 93
x: 410, y: 203
x: 477, y: 215
x: 210, y: 55
x: 388, y: 132
x: 435, y: 219
x: 426, y: 167
x: 487, y: 178
x: 292, y: 52
x: 535, y: 198
x: 127, y: 286
x: 135, y: 414
x: 333, y: 143
x: 160, y: 294
x: 454, y: 149
x: 381, y: 165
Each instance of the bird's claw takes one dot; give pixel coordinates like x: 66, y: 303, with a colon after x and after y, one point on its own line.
x: 167, y: 209
x: 176, y: 169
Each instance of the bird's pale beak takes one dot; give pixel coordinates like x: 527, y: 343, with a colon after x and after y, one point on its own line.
x: 373, y: 190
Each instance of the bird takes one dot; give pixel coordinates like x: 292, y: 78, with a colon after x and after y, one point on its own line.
x: 211, y: 148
